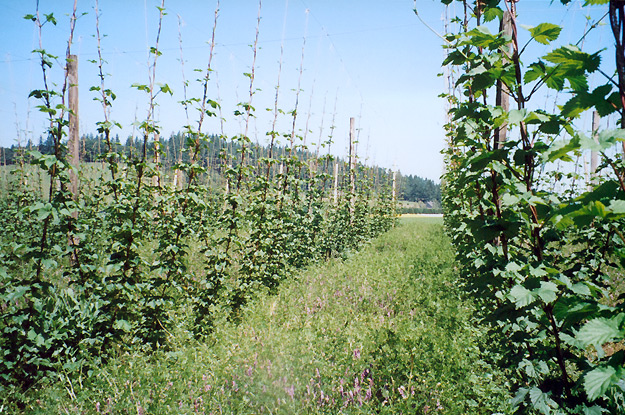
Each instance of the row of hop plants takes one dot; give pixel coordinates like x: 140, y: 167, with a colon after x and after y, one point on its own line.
x: 542, y: 255
x: 134, y: 256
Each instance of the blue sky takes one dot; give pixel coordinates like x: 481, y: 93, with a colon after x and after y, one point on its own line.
x: 374, y: 60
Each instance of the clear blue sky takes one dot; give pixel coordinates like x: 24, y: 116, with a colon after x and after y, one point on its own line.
x: 375, y: 59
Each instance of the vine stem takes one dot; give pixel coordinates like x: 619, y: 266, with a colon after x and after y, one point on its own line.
x: 529, y: 173
x: 248, y: 110
x: 148, y: 126
x: 273, y: 132
x: 244, y: 139
x: 295, y: 108
x: 618, y: 174
x: 152, y: 78
x: 185, y: 103
x: 617, y: 23
x: 619, y: 233
x: 197, y: 143
x: 105, y: 106
x: 559, y: 352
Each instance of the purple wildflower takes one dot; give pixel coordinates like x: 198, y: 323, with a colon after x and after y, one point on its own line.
x: 402, y: 392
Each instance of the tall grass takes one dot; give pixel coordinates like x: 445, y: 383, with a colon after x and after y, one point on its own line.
x: 386, y: 331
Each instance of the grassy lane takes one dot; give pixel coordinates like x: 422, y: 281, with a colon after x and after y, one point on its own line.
x: 385, y: 331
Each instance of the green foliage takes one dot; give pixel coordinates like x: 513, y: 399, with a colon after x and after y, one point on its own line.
x: 385, y: 331
x: 541, y: 261
x: 132, y: 258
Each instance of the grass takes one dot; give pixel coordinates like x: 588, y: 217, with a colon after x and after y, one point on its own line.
x: 385, y: 331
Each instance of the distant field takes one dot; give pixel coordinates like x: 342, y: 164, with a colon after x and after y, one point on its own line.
x: 421, y: 215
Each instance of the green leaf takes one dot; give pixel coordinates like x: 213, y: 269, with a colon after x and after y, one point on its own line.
x: 492, y: 13
x: 616, y: 208
x: 519, y: 397
x: 516, y: 116
x: 593, y: 410
x: 571, y: 341
x: 573, y: 60
x: 548, y: 291
x: 50, y: 18
x: 545, y: 32
x: 122, y: 325
x: 572, y: 310
x: 599, y: 98
x: 581, y: 289
x: 608, y: 138
x: 35, y: 337
x: 521, y: 296
x: 551, y: 75
x: 166, y: 89
x: 561, y: 150
x: 536, y: 118
x: 578, y: 82
x: 598, y: 381
x: 140, y: 87
x: 533, y: 369
x: 43, y: 210
x: 606, y: 190
x: 601, y: 330
x: 541, y: 401
x: 16, y: 293
x: 482, y: 37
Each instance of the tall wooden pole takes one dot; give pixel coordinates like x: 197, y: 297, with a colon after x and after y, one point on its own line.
x: 502, y: 99
x: 352, y: 166
x: 74, y: 139
x: 616, y: 10
x: 394, y: 186
x: 586, y: 173
x: 336, y: 183
x: 594, y: 155
x: 156, y: 180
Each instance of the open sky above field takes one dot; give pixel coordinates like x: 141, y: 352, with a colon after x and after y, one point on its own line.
x: 373, y: 60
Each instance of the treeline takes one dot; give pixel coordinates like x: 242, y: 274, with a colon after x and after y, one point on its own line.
x: 417, y: 189
x: 212, y: 155
x: 172, y: 149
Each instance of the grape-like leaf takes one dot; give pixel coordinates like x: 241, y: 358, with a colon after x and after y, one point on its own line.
x: 601, y: 330
x: 521, y: 296
x: 598, y: 380
x: 545, y: 32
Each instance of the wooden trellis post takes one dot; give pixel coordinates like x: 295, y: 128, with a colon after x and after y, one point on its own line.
x: 594, y: 155
x: 156, y: 180
x: 502, y: 98
x: 394, y: 196
x: 336, y: 183
x: 74, y: 139
x: 352, y: 167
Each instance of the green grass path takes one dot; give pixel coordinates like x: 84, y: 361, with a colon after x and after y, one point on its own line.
x: 385, y: 331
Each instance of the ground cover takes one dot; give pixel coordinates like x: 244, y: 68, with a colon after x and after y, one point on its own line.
x: 387, y: 330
